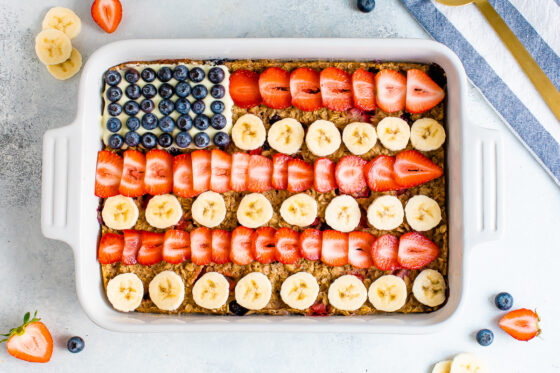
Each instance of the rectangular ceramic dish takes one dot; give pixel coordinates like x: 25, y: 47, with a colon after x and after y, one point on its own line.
x: 69, y: 206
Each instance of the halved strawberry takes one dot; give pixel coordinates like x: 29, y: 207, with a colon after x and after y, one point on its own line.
x: 132, y: 243
x: 241, y: 246
x: 422, y: 93
x: 416, y: 251
x: 300, y: 175
x: 349, y: 174
x: 334, y: 248
x: 159, y: 172
x: 31, y: 341
x: 176, y: 246
x: 274, y: 86
x: 264, y: 245
x: 201, y: 160
x: 107, y: 14
x: 412, y: 168
x: 363, y: 90
x: 287, y: 246
x: 221, y: 245
x: 108, y: 174
x: 385, y: 251
x: 183, y: 176
x: 132, y: 179
x: 221, y: 170
x: 521, y: 324
x: 305, y: 89
x: 359, y: 249
x: 310, y: 241
x: 260, y: 174
x: 239, y: 179
x: 201, y: 246
x: 336, y: 89
x: 244, y: 88
x: 323, y: 175
x: 390, y: 90
x: 150, y: 251
x: 110, y: 248
x: 280, y: 171
x: 379, y: 173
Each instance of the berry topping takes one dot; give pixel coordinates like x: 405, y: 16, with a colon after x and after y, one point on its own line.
x: 359, y: 249
x: 147, y: 105
x: 132, y: 243
x: 183, y: 176
x: 379, y: 174
x: 198, y: 107
x: 287, y: 246
x: 149, y: 91
x: 151, y: 249
x: 184, y: 122
x: 115, y: 141
x: 165, y: 140
x: 237, y: 309
x: 241, y: 252
x: 217, y: 107
x: 149, y: 140
x: 165, y: 90
x: 131, y: 108
x: 221, y: 245
x: 114, y: 109
x: 113, y: 94
x: 196, y: 75
x: 221, y: 168
x: 134, y: 169
x: 183, y: 89
x: 216, y: 75
x: 108, y: 174
x: 323, y: 175
x: 274, y: 87
x: 264, y: 245
x: 201, y: 122
x: 384, y: 253
x: 112, y: 77
x: 336, y: 89
x: 259, y: 174
x: 416, y: 251
x: 201, y: 246
x: 131, y: 75
x: 239, y: 171
x: 199, y: 91
x: 166, y: 124
x: 132, y: 138
x: 201, y: 170
x: 280, y: 171
x: 183, y: 139
x: 422, y: 93
x: 218, y: 121
x: 166, y: 107
x: 110, y: 248
x: 133, y: 91
x: 310, y: 242
x: 201, y: 140
x: 113, y: 125
x: 300, y: 175
x: 221, y: 139
x: 349, y: 174
x: 176, y: 246
x: 334, y: 248
x: 159, y: 172
x: 305, y: 89
x: 165, y: 74
x: 217, y: 91
x: 180, y: 72
x: 148, y: 75
x: 133, y: 123
x: 244, y: 88
x: 182, y: 105
x: 363, y: 90
x: 412, y: 168
x: 149, y: 121
x: 390, y: 90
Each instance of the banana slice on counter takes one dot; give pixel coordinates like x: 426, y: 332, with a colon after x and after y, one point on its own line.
x: 52, y: 46
x: 125, y: 292
x: 68, y: 68
x: 300, y: 290
x: 422, y: 213
x: 347, y: 293
x: 427, y: 134
x: 120, y: 212
x: 63, y: 19
x: 167, y: 290
x: 254, y: 210
x: 211, y: 291
x: 393, y: 133
x: 388, y: 293
x: 385, y: 213
x: 164, y: 211
x: 299, y: 209
x: 468, y: 363
x: 248, y: 132
x: 442, y: 367
x: 253, y: 291
x: 359, y: 137
x: 323, y: 138
x: 343, y: 213
x: 286, y: 136
x: 209, y: 209
x: 429, y: 288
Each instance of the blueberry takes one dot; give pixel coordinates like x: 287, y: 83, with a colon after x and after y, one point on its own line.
x: 113, y: 94
x: 132, y: 138
x: 149, y: 121
x: 165, y: 140
x: 75, y: 344
x: 237, y: 309
x: 366, y: 6
x: 166, y: 107
x: 114, y: 125
x: 216, y: 75
x: 166, y: 124
x: 149, y: 140
x: 196, y: 74
x: 180, y: 72
x: 199, y: 92
x: 183, y: 139
x: 182, y: 106
x: 114, y: 109
x: 183, y: 89
x: 147, y: 105
x: 116, y: 141
x: 485, y: 337
x: 504, y: 301
x: 217, y: 107
x: 133, y: 91
x: 112, y: 77
x: 165, y: 74
x: 201, y: 122
x: 184, y: 122
x: 131, y: 108
x: 201, y: 140
x: 221, y: 139
x: 149, y: 91
x: 148, y: 74
x: 217, y: 91
x: 166, y: 90
x: 131, y: 76
x: 133, y: 123
x: 198, y: 107
x: 218, y: 121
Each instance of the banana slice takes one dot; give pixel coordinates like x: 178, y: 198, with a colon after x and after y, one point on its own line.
x: 209, y: 209
x: 248, y: 132
x: 254, y: 210
x: 52, y: 46
x: 359, y: 137
x: 211, y: 291
x: 164, y: 211
x: 422, y: 213
x: 388, y: 293
x: 253, y: 291
x: 120, y: 212
x: 299, y: 209
x: 63, y: 19
x: 385, y: 213
x: 125, y: 292
x: 323, y: 138
x: 167, y: 290
x: 427, y: 134
x: 347, y: 293
x: 468, y: 363
x: 442, y: 367
x: 429, y: 288
x: 300, y: 290
x: 286, y: 136
x: 68, y: 68
x: 343, y: 213
x: 393, y: 132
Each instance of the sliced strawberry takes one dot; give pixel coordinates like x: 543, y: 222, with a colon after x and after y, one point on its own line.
x: 221, y: 170
x: 336, y: 89
x: 300, y: 175
x: 241, y: 246
x: 412, y: 168
x: 363, y: 90
x: 274, y: 86
x: 416, y: 251
x: 280, y: 171
x: 201, y: 246
x: 264, y: 245
x: 159, y: 172
x: 521, y: 324
x: 132, y: 243
x: 150, y: 251
x: 422, y: 93
x: 323, y: 175
x: 108, y: 174
x: 305, y: 89
x: 287, y: 246
x: 201, y: 160
x: 221, y: 244
x: 132, y: 179
x: 390, y: 90
x: 176, y: 246
x: 349, y: 174
x: 107, y: 14
x: 31, y: 341
x: 110, y: 248
x: 385, y: 252
x: 334, y: 248
x: 244, y: 88
x: 359, y: 249
x: 310, y: 241
x: 379, y: 174
x: 260, y: 174
x: 183, y: 176
x: 239, y: 179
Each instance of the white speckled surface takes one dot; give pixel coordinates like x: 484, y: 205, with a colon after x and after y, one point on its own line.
x: 38, y: 273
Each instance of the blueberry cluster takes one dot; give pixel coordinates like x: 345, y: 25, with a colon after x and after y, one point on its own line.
x: 174, y: 94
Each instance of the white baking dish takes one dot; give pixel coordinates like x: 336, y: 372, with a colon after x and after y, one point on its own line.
x: 69, y: 206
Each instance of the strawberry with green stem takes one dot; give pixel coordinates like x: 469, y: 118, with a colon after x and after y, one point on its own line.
x: 31, y: 341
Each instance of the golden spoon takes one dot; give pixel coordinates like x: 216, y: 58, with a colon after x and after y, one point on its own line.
x: 539, y: 79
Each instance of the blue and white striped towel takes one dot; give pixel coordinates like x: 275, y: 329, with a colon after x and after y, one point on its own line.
x: 495, y: 72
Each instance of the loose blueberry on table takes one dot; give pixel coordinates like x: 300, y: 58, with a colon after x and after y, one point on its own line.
x: 504, y: 301
x: 485, y: 337
x: 75, y: 344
